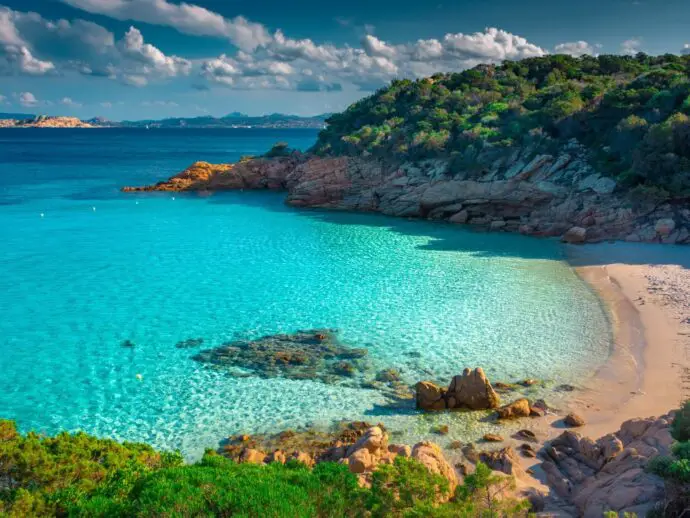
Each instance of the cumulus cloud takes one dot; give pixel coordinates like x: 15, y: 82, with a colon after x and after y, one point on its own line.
x: 82, y: 47
x: 575, y: 48
x: 15, y: 55
x: 325, y: 67
x: 28, y: 99
x: 186, y: 18
x: 152, y: 58
x: 631, y: 46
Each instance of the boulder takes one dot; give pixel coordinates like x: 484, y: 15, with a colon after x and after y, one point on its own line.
x: 472, y: 390
x: 429, y: 396
x: 460, y: 217
x: 573, y: 420
x: 665, y: 226
x: 519, y: 408
x: 431, y: 456
x: 252, y: 456
x: 303, y: 457
x: 374, y: 440
x: 492, y: 437
x: 610, y: 474
x: 504, y: 460
x: 575, y: 235
x: 402, y: 450
x: 361, y: 461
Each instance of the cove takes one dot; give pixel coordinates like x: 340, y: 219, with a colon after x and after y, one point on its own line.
x: 157, y: 269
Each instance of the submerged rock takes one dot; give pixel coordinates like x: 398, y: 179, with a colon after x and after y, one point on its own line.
x: 312, y: 354
x: 190, y: 343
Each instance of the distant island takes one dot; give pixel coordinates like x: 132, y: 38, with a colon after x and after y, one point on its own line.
x: 43, y: 121
x: 233, y: 120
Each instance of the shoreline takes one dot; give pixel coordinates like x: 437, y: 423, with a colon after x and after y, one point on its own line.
x: 647, y: 304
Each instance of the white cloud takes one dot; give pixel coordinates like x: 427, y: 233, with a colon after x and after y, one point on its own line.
x: 375, y: 47
x: 575, y: 48
x: 186, y: 18
x: 325, y: 67
x: 15, y: 56
x: 631, y: 46
x: 134, y: 47
x: 106, y: 104
x: 685, y: 51
x: 67, y: 101
x: 28, y: 99
x: 82, y: 47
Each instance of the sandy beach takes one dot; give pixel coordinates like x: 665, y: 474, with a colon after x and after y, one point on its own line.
x: 646, y: 290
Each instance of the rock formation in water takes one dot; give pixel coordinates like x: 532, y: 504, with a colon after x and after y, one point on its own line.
x: 316, y: 353
x: 470, y: 390
x: 556, y: 194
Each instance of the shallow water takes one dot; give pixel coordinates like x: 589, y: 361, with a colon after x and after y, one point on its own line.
x: 101, y: 267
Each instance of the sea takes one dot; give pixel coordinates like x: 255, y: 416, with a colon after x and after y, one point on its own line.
x: 87, y: 269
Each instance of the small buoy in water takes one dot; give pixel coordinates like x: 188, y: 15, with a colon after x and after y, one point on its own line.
x: 93, y: 209
x: 173, y: 198
x: 42, y: 215
x: 140, y: 377
x: 136, y: 203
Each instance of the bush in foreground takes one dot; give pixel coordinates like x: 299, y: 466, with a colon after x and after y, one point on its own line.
x: 80, y: 475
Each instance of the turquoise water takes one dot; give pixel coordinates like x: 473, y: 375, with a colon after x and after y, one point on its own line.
x: 100, y: 267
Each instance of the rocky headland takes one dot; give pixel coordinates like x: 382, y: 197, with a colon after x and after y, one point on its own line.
x: 515, y: 190
x: 43, y: 121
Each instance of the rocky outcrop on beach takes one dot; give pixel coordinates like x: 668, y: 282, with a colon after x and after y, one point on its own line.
x: 361, y: 446
x: 43, y: 121
x: 470, y: 390
x: 609, y: 474
x: 512, y: 190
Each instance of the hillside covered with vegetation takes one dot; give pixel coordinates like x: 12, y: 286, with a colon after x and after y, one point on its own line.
x: 631, y: 112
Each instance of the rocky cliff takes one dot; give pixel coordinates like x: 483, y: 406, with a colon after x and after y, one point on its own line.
x: 512, y: 190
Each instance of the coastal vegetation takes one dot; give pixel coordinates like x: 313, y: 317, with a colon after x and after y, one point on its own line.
x: 81, y: 475
x: 675, y: 469
x: 631, y: 113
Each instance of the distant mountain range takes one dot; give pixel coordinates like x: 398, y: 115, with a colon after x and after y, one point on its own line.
x: 232, y: 120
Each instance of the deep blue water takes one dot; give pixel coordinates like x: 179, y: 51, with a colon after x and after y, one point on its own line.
x: 86, y: 267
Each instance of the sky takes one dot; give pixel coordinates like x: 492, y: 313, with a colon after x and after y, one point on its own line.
x: 146, y: 59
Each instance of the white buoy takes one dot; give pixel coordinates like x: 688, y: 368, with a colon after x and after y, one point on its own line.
x: 173, y: 198
x: 42, y: 215
x: 93, y: 209
x: 140, y: 377
x: 136, y: 203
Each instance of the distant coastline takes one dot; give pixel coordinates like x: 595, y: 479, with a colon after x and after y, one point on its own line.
x: 231, y: 121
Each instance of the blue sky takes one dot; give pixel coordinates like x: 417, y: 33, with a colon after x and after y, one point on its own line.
x: 133, y: 59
